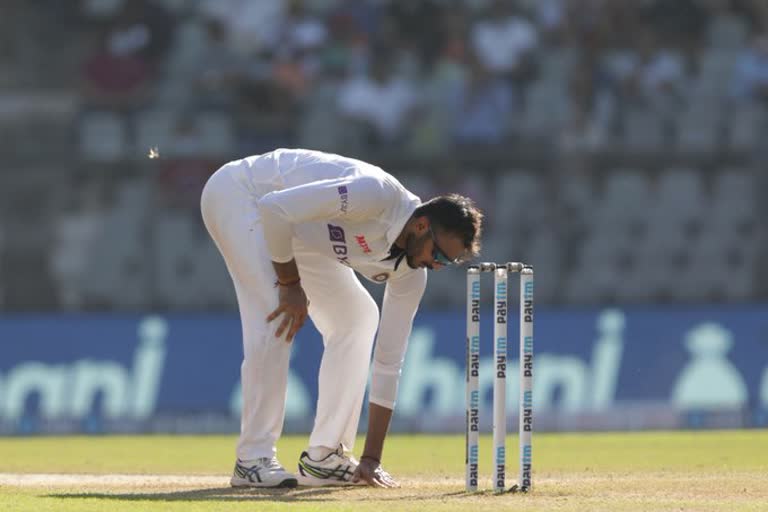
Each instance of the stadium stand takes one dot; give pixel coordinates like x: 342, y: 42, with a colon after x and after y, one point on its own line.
x: 627, y: 167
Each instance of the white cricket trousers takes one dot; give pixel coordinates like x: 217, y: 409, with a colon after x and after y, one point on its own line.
x: 341, y: 309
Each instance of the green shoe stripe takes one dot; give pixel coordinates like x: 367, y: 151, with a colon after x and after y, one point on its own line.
x: 341, y: 472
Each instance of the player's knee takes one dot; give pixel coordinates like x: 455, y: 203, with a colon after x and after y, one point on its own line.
x: 370, y: 315
x: 352, y: 318
x: 364, y: 317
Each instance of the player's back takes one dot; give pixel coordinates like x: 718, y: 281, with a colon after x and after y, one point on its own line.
x: 287, y: 168
x: 300, y: 166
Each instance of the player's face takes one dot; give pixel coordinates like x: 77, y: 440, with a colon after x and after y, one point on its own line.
x: 432, y: 249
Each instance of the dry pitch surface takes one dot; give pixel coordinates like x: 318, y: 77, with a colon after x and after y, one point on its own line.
x: 697, y: 471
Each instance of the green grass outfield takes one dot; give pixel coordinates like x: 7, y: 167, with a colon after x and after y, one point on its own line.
x: 697, y: 471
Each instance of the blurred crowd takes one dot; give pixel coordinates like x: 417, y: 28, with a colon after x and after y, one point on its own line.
x: 425, y: 88
x: 423, y: 76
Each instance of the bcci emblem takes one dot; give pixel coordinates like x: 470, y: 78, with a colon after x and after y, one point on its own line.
x: 380, y: 278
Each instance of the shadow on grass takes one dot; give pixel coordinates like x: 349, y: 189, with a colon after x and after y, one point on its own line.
x: 278, y: 495
x: 211, y: 494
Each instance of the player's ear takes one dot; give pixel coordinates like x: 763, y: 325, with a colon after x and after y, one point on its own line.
x: 421, y: 224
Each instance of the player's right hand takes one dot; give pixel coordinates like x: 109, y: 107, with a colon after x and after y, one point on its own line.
x: 293, y: 305
x: 371, y: 472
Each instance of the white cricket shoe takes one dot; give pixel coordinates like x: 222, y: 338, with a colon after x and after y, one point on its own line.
x: 266, y: 472
x: 336, y: 468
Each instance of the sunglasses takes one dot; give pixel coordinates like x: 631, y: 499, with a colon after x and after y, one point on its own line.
x: 438, y: 254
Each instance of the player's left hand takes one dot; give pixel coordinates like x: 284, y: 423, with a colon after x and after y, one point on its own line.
x: 293, y: 305
x: 369, y: 470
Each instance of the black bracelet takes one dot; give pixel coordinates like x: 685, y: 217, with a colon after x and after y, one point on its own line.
x: 374, y: 459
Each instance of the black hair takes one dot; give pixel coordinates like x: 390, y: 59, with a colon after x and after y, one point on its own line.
x: 457, y: 215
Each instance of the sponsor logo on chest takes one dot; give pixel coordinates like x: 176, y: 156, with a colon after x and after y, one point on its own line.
x: 338, y: 243
x: 362, y: 243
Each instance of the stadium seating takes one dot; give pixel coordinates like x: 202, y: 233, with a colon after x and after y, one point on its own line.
x: 665, y: 197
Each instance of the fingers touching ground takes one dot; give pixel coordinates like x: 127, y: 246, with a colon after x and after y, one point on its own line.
x: 385, y: 479
x: 374, y: 477
x: 367, y: 475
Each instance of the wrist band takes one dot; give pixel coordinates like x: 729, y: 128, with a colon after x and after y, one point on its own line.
x: 374, y: 459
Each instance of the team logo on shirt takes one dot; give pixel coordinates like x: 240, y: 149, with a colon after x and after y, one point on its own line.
x: 362, y: 243
x: 380, y: 278
x: 344, y: 195
x: 338, y: 243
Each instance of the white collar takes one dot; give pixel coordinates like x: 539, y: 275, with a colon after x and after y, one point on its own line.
x: 397, y: 227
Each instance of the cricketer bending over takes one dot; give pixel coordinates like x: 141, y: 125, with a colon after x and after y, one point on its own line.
x: 293, y: 225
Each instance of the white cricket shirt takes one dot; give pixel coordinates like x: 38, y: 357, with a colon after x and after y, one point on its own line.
x: 352, y: 212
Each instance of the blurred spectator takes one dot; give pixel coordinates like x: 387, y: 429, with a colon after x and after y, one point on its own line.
x: 321, y: 127
x: 504, y: 40
x: 266, y: 115
x: 453, y: 52
x: 456, y: 33
x: 297, y: 56
x: 115, y: 77
x: 404, y: 57
x: 350, y: 28
x: 750, y: 81
x: 442, y: 83
x: 652, y: 76
x: 219, y: 71
x: 414, y: 22
x: 380, y: 101
x: 681, y: 24
x: 482, y: 106
x: 292, y: 72
x: 300, y: 29
x: 593, y: 105
x: 119, y: 72
x: 143, y: 28
x: 251, y: 26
